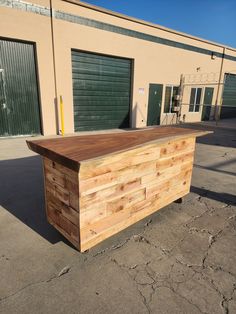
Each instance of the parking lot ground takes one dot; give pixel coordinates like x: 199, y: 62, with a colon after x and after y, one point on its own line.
x: 182, y: 259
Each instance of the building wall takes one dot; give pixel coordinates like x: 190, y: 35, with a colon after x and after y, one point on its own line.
x: 153, y: 62
x: 20, y: 25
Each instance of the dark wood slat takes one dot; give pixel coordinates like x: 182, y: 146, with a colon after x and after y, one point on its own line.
x: 70, y: 151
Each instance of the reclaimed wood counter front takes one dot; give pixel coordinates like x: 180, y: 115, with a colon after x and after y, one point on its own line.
x: 97, y: 185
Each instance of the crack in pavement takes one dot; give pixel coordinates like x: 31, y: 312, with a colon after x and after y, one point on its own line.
x: 187, y: 300
x: 212, y: 241
x: 63, y: 272
x: 196, y: 268
x: 155, y: 282
x: 119, y: 245
x: 123, y: 266
x: 225, y: 301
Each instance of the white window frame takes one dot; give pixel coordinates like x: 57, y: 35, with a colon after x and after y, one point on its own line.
x: 171, y: 98
x: 195, y: 99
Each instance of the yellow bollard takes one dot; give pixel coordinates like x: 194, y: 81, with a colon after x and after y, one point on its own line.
x: 62, y: 116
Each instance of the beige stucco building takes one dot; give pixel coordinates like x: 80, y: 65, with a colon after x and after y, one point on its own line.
x: 111, y: 70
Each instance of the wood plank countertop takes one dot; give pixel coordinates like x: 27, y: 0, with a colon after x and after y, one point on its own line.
x: 72, y: 150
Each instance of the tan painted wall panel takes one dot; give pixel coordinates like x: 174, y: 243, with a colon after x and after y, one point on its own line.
x: 153, y: 63
x: 16, y: 24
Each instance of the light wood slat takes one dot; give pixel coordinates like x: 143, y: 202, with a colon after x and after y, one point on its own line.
x: 66, y: 211
x: 64, y: 223
x: 169, y: 175
x: 104, y: 207
x: 162, y: 196
x: 110, y: 193
x: 172, y: 161
x: 96, y: 167
x: 76, y: 242
x: 113, y: 178
x: 74, y: 201
x: 56, y: 173
x: 95, y: 213
x: 173, y: 148
x: 126, y: 201
x: 149, y: 152
x: 58, y: 192
x: 116, y: 190
x: 120, y: 221
x: 107, y: 180
x: 54, y: 176
x: 62, y: 187
x: 73, y: 175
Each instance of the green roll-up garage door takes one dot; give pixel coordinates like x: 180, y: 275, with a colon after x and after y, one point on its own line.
x: 101, y: 91
x: 19, y: 103
x: 228, y: 109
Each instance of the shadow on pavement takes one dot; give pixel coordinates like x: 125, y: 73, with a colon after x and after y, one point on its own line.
x: 221, y: 137
x: 226, y: 198
x: 217, y: 167
x: 22, y: 194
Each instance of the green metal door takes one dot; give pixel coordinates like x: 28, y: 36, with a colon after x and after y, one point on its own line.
x: 101, y: 91
x: 19, y: 104
x: 3, y: 111
x: 207, y: 103
x: 228, y: 109
x: 154, y: 104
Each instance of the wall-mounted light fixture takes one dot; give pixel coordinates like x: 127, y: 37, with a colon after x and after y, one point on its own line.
x: 213, y: 56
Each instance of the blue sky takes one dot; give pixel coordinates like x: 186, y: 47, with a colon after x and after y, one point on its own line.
x: 210, y: 19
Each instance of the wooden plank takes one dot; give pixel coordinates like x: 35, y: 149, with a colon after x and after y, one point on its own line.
x: 76, y: 243
x: 113, y: 178
x: 99, y: 210
x: 116, y: 190
x: 119, y: 221
x: 61, y: 185
x: 95, y: 213
x: 162, y: 193
x: 73, y: 175
x: 126, y: 201
x: 173, y: 147
x: 58, y: 192
x: 54, y: 176
x: 111, y: 163
x: 169, y: 177
x: 156, y: 201
x: 71, y: 229
x: 72, y: 186
x: 66, y: 211
x: 172, y: 161
x: 74, y: 200
x: 162, y: 175
x: 162, y: 199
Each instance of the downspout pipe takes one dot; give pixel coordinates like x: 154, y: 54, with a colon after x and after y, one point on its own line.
x: 54, y: 68
x: 218, y: 103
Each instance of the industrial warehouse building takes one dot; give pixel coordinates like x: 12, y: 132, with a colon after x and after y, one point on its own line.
x: 112, y: 71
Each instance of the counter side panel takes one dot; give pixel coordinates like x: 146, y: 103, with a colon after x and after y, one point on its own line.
x: 119, y: 190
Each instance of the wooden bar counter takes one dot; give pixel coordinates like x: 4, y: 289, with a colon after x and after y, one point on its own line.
x: 97, y: 185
